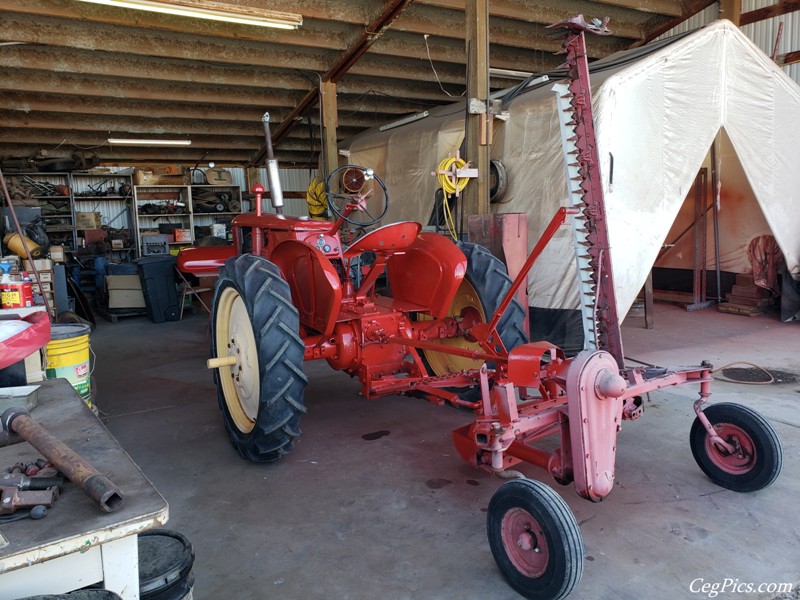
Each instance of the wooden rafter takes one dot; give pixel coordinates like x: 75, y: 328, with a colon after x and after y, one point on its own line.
x: 356, y: 50
x: 768, y: 12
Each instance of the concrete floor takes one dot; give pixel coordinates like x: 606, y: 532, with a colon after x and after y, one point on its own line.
x: 402, y: 517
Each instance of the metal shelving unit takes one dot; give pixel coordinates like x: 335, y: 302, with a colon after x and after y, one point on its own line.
x: 61, y: 195
x: 109, y: 194
x: 185, y: 206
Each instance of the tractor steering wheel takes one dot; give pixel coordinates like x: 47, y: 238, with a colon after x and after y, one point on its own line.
x: 354, y: 197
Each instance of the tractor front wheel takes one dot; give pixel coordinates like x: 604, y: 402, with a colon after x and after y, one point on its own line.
x: 535, y: 540
x: 757, y: 457
x: 254, y: 322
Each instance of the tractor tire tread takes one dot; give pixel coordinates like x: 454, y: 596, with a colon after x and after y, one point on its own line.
x: 276, y: 323
x: 489, y: 277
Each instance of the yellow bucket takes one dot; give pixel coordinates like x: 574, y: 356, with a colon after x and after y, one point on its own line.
x: 14, y: 242
x: 68, y: 357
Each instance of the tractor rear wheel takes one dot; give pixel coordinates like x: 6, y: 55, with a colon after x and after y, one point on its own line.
x: 254, y: 321
x: 481, y: 292
x: 758, y: 456
x: 535, y: 540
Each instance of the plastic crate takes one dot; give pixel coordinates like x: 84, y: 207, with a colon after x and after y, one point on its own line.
x: 154, y: 244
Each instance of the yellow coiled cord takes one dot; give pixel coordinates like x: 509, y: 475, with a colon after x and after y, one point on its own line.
x: 317, y: 199
x: 451, y: 185
x: 446, y: 175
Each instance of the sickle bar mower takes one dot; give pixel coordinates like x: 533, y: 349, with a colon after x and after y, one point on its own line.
x: 293, y: 289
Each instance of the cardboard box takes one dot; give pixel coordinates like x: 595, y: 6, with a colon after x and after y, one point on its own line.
x: 125, y: 299
x: 93, y: 236
x: 39, y: 301
x: 57, y: 254
x: 117, y: 244
x: 183, y: 235
x: 38, y: 288
x: 123, y: 282
x: 161, y: 175
x: 44, y: 276
x: 219, y: 177
x: 124, y: 291
x: 87, y: 220
x: 42, y: 264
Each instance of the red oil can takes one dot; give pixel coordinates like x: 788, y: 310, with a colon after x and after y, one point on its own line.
x: 16, y: 294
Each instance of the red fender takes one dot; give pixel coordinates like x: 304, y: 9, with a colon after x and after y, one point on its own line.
x: 314, y: 283
x: 204, y: 260
x: 428, y: 273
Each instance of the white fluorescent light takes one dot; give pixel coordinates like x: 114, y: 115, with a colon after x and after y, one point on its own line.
x: 214, y: 11
x: 128, y: 142
x: 537, y: 81
x: 509, y: 73
x: 404, y: 121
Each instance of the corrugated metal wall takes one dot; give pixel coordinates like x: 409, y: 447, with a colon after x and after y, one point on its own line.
x: 114, y: 212
x: 292, y: 180
x: 762, y: 33
x: 702, y: 18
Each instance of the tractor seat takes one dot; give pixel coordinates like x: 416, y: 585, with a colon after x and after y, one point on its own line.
x: 386, y: 240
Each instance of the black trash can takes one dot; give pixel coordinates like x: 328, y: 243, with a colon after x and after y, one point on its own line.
x: 157, y: 274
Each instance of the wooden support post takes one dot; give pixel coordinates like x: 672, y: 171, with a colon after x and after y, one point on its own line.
x: 731, y: 10
x: 330, y: 149
x: 649, y: 314
x: 478, y: 132
x: 506, y: 237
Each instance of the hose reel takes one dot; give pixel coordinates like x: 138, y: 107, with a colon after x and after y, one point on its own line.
x: 453, y: 175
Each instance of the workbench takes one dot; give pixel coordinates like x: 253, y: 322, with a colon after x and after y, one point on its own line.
x: 76, y: 544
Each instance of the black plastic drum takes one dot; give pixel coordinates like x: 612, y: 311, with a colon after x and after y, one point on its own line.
x: 165, y: 565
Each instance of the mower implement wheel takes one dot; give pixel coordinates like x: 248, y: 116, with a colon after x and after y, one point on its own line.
x: 261, y: 394
x: 758, y: 456
x: 535, y: 540
x: 480, y: 294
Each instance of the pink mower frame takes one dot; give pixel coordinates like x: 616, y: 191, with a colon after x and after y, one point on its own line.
x: 534, y: 392
x: 589, y: 390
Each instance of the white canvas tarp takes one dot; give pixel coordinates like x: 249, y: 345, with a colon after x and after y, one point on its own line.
x: 657, y: 117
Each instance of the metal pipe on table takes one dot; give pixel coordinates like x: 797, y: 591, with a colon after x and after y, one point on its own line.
x: 95, y: 485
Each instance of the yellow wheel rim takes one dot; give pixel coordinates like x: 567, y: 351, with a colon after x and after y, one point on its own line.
x: 442, y: 363
x: 234, y: 337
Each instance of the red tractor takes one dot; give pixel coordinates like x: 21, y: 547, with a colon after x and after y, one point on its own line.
x: 290, y: 290
x: 411, y: 312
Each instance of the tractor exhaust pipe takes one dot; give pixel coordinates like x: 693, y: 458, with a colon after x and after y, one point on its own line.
x: 276, y: 194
